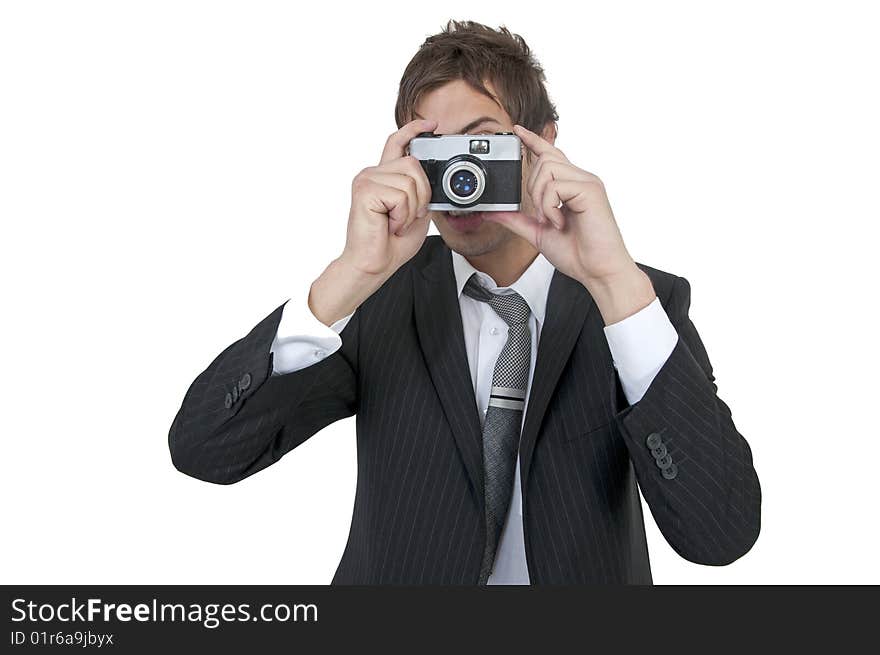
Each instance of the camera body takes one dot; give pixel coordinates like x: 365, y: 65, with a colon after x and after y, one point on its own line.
x: 471, y: 172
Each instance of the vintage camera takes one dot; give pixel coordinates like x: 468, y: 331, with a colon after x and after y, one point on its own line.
x: 471, y: 172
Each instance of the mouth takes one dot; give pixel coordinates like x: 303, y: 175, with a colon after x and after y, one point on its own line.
x: 464, y: 221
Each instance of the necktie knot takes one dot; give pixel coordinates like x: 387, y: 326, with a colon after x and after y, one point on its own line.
x: 511, y: 307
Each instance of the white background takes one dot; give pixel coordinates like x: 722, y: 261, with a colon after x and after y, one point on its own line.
x: 170, y: 172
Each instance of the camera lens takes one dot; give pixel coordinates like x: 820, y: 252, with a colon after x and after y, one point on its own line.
x: 464, y: 183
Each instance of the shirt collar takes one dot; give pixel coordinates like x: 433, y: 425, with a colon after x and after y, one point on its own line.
x: 533, y: 285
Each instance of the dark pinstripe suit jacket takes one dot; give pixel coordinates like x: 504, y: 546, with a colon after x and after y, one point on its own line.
x: 418, y: 510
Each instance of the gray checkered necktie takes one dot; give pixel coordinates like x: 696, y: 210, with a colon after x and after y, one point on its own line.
x: 501, y: 429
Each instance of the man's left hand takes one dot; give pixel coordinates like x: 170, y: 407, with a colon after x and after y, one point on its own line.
x: 574, y: 228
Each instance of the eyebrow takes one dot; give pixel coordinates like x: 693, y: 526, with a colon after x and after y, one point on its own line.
x: 472, y: 124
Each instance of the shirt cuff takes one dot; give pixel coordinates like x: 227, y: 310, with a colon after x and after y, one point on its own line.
x: 640, y: 345
x: 302, y: 340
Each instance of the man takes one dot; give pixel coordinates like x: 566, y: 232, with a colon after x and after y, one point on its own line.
x: 513, y: 378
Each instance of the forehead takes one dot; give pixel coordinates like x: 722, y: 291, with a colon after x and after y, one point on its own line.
x: 457, y: 103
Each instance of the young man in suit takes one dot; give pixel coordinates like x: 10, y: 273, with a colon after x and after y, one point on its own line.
x: 513, y: 378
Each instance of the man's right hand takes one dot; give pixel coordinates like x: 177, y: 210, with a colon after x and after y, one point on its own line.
x: 387, y: 226
x: 388, y: 220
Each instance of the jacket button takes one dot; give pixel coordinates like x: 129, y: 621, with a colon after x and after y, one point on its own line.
x: 664, y: 462
x: 245, y: 381
x: 228, y: 401
x: 659, y: 451
x: 653, y: 440
x: 670, y: 472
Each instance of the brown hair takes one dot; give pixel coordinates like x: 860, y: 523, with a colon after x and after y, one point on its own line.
x: 475, y: 53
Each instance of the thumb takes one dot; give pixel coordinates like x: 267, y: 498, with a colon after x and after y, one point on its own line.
x: 519, y: 223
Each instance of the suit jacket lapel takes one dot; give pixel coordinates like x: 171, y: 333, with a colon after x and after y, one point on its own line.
x: 440, y: 332
x: 568, y: 304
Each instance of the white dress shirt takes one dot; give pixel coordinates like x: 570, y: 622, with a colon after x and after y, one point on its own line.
x: 640, y: 344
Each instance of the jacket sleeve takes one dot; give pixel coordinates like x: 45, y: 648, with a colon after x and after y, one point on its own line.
x: 693, y: 466
x: 237, y: 418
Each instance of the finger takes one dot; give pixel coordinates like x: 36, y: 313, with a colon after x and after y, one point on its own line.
x: 551, y: 205
x: 390, y: 203
x: 534, y: 142
x: 574, y: 194
x: 406, y: 184
x: 396, y: 204
x: 551, y: 171
x: 411, y: 167
x: 536, y: 168
x: 395, y: 146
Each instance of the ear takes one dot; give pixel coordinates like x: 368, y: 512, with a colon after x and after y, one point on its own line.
x: 549, y: 132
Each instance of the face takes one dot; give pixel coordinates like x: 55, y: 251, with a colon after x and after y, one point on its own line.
x: 458, y: 108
